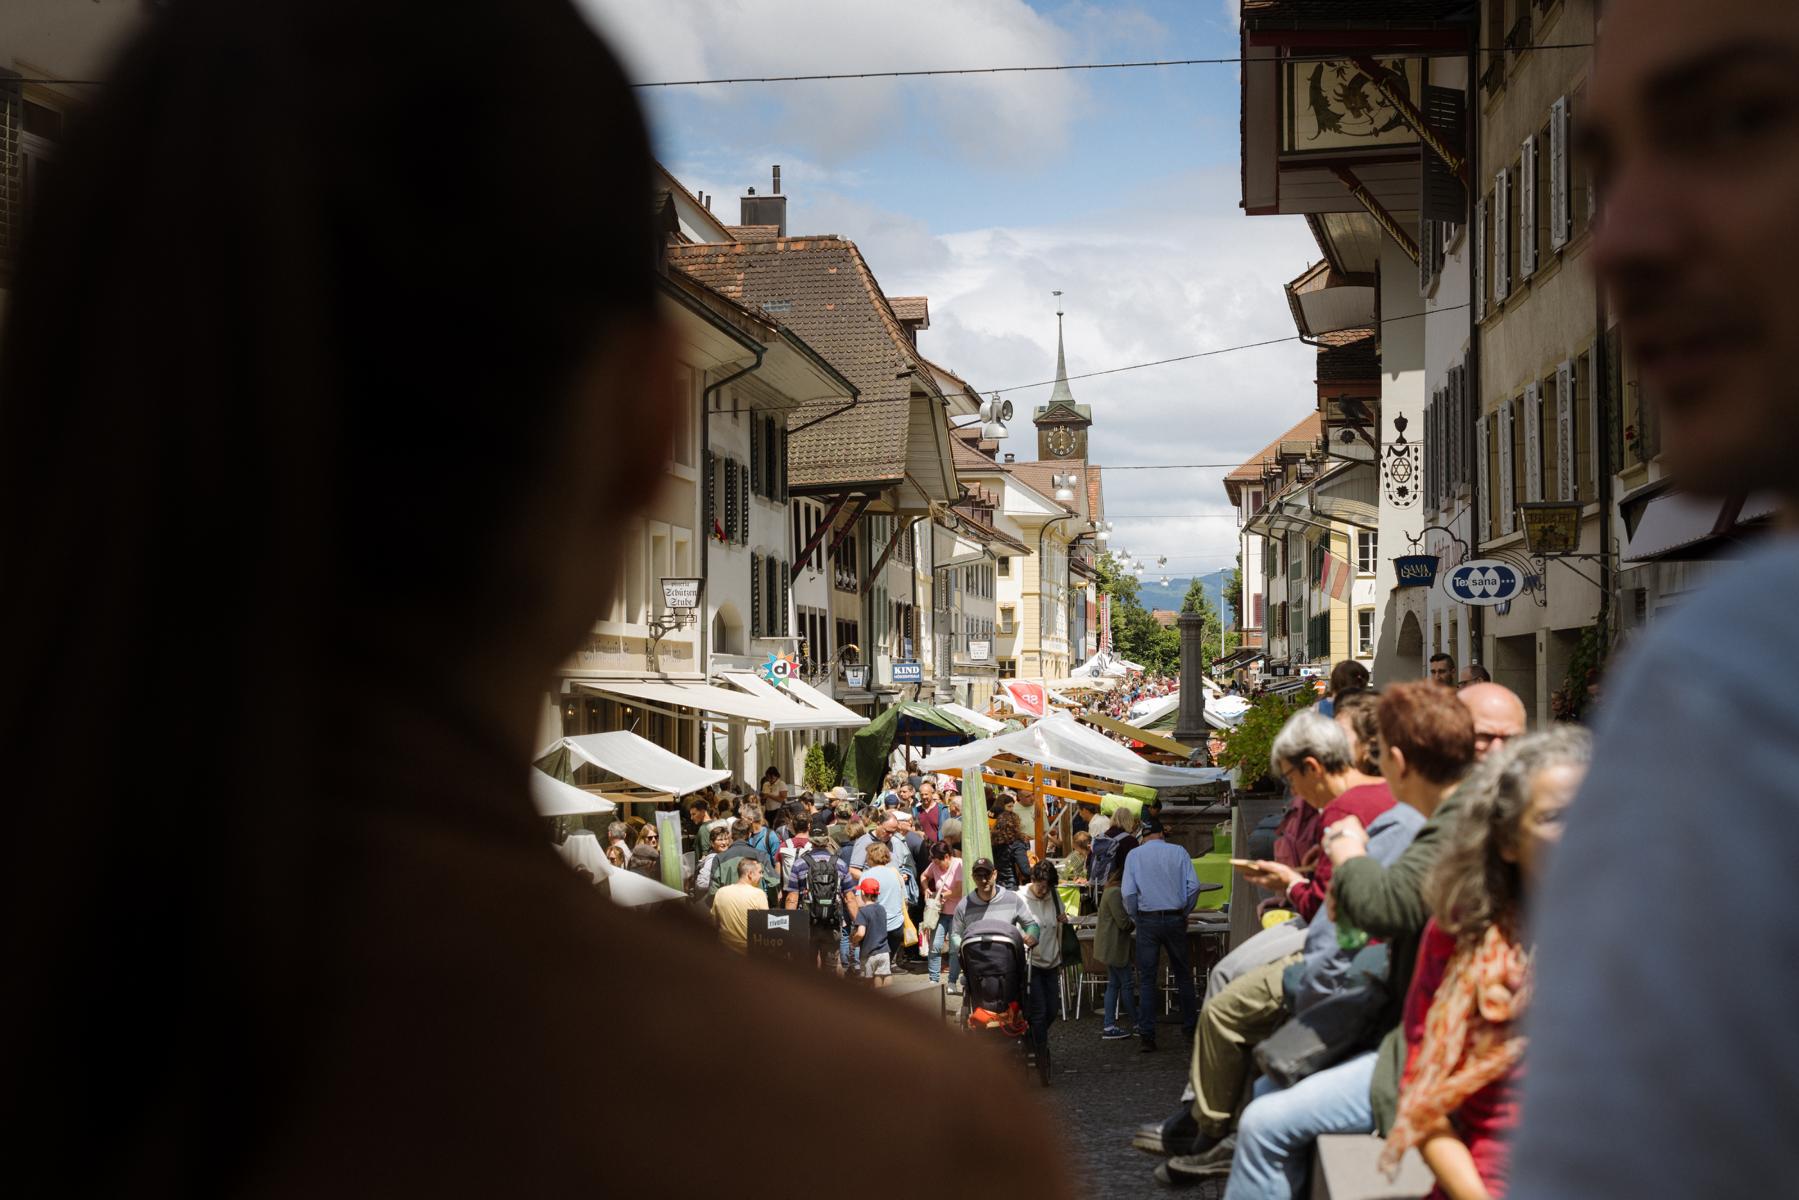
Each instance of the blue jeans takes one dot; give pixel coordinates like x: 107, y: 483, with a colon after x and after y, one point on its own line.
x: 939, y: 943
x: 1276, y: 1132
x: 1121, y: 983
x: 846, y: 953
x: 1157, y: 932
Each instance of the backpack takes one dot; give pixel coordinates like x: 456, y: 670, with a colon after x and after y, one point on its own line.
x: 821, y: 885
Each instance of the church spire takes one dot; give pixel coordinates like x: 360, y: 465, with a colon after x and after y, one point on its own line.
x: 1061, y: 394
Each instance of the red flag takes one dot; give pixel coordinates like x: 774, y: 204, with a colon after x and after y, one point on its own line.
x: 1027, y: 698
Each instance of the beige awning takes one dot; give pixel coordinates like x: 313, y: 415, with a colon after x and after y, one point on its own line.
x: 726, y: 703
x: 819, y: 713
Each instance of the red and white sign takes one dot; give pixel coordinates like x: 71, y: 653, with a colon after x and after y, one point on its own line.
x: 1105, y: 623
x: 1027, y: 698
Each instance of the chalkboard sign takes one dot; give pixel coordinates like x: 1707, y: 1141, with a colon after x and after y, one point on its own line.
x: 783, y: 933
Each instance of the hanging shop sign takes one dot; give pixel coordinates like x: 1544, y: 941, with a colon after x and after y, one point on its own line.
x: 979, y: 651
x: 1551, y: 527
x: 680, y: 593
x: 780, y: 668
x: 1416, y: 570
x: 1484, y: 581
x: 855, y: 677
x: 908, y: 672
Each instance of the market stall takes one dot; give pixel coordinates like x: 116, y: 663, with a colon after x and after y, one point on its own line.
x: 910, y: 724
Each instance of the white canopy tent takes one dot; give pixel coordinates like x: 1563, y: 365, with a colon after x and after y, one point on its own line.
x: 630, y: 890
x: 1222, y: 712
x: 1105, y: 664
x: 1060, y: 742
x: 640, y: 761
x: 825, y: 712
x: 776, y: 711
x: 555, y: 798
x: 981, y: 721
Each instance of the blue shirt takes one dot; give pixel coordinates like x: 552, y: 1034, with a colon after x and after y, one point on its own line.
x: 1159, y: 877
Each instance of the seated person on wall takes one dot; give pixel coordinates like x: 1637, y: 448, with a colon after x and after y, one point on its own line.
x: 1465, y: 1044
x: 1315, y: 753
x: 1429, y: 737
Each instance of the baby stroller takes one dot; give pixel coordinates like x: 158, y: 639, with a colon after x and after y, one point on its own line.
x: 992, y: 957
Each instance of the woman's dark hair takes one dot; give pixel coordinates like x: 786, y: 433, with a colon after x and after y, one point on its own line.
x: 1474, y: 884
x: 294, y: 338
x: 1007, y: 829
x: 1045, y: 872
x: 941, y: 850
x: 1357, y: 709
x: 1347, y: 676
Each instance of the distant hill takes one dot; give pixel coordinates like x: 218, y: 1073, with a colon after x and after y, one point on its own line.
x: 1155, y: 594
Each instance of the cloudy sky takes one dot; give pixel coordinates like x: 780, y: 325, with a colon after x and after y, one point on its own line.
x: 986, y: 193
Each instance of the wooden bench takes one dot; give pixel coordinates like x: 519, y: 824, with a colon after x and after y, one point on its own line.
x: 1346, y: 1166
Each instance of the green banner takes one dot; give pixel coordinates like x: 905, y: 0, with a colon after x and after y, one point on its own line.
x: 668, y: 837
x: 977, y: 839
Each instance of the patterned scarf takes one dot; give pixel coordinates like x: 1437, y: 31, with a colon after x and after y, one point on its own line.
x: 1470, y: 1038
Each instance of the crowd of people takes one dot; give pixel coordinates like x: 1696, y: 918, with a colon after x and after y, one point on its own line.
x: 1390, y: 999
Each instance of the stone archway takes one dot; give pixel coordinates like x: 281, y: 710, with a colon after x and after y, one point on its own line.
x: 1411, y: 641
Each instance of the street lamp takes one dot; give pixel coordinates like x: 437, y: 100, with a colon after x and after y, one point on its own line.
x: 1064, y: 487
x: 994, y: 414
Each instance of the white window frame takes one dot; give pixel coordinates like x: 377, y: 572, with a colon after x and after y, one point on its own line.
x: 1367, y: 551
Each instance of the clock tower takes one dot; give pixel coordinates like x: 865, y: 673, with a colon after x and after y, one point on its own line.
x: 1062, y: 424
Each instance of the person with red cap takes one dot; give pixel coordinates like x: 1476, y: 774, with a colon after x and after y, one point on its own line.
x: 871, y: 935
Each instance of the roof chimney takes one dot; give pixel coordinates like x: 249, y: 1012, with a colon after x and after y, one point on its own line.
x: 765, y: 210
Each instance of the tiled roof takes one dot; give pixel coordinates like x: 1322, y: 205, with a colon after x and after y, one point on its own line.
x: 912, y: 308
x: 823, y: 290
x: 1350, y: 354
x: 1039, y: 475
x: 967, y: 458
x: 1307, y: 430
x: 755, y: 233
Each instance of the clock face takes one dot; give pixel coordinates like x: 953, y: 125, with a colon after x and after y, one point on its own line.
x: 1060, y: 441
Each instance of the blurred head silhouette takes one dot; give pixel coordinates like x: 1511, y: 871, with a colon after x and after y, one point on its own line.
x: 1693, y: 131
x: 331, y: 376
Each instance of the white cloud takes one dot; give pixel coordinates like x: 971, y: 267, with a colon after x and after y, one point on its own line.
x: 993, y: 119
x: 1174, y: 270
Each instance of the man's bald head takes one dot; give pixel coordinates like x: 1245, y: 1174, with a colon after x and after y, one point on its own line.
x: 1498, y: 714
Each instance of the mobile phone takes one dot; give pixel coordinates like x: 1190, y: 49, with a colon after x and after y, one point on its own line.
x: 1243, y: 862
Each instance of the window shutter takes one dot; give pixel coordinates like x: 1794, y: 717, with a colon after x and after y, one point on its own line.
x: 1453, y: 434
x: 1533, y: 442
x: 743, y: 510
x: 1502, y: 236
x: 1595, y: 415
x: 781, y: 473
x: 731, y: 500
x: 755, y: 595
x: 12, y: 168
x: 1560, y: 210
x: 1484, y: 526
x: 786, y: 576
x: 1427, y: 260
x: 711, y: 486
x: 1527, y: 208
x: 758, y: 467
x: 1480, y: 260
x: 1508, y: 490
x: 1565, y: 458
x: 1441, y: 194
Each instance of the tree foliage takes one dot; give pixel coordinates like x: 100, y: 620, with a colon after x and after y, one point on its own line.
x: 1247, y: 746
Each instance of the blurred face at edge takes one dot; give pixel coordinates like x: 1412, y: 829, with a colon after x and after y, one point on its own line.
x: 1692, y: 131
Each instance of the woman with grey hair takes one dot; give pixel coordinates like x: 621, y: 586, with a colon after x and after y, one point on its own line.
x: 1313, y: 754
x: 1465, y: 1008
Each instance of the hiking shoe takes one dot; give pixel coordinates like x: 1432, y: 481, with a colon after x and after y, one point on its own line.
x: 1113, y: 1033
x: 955, y: 989
x: 1210, y: 1163
x: 1174, y: 1135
